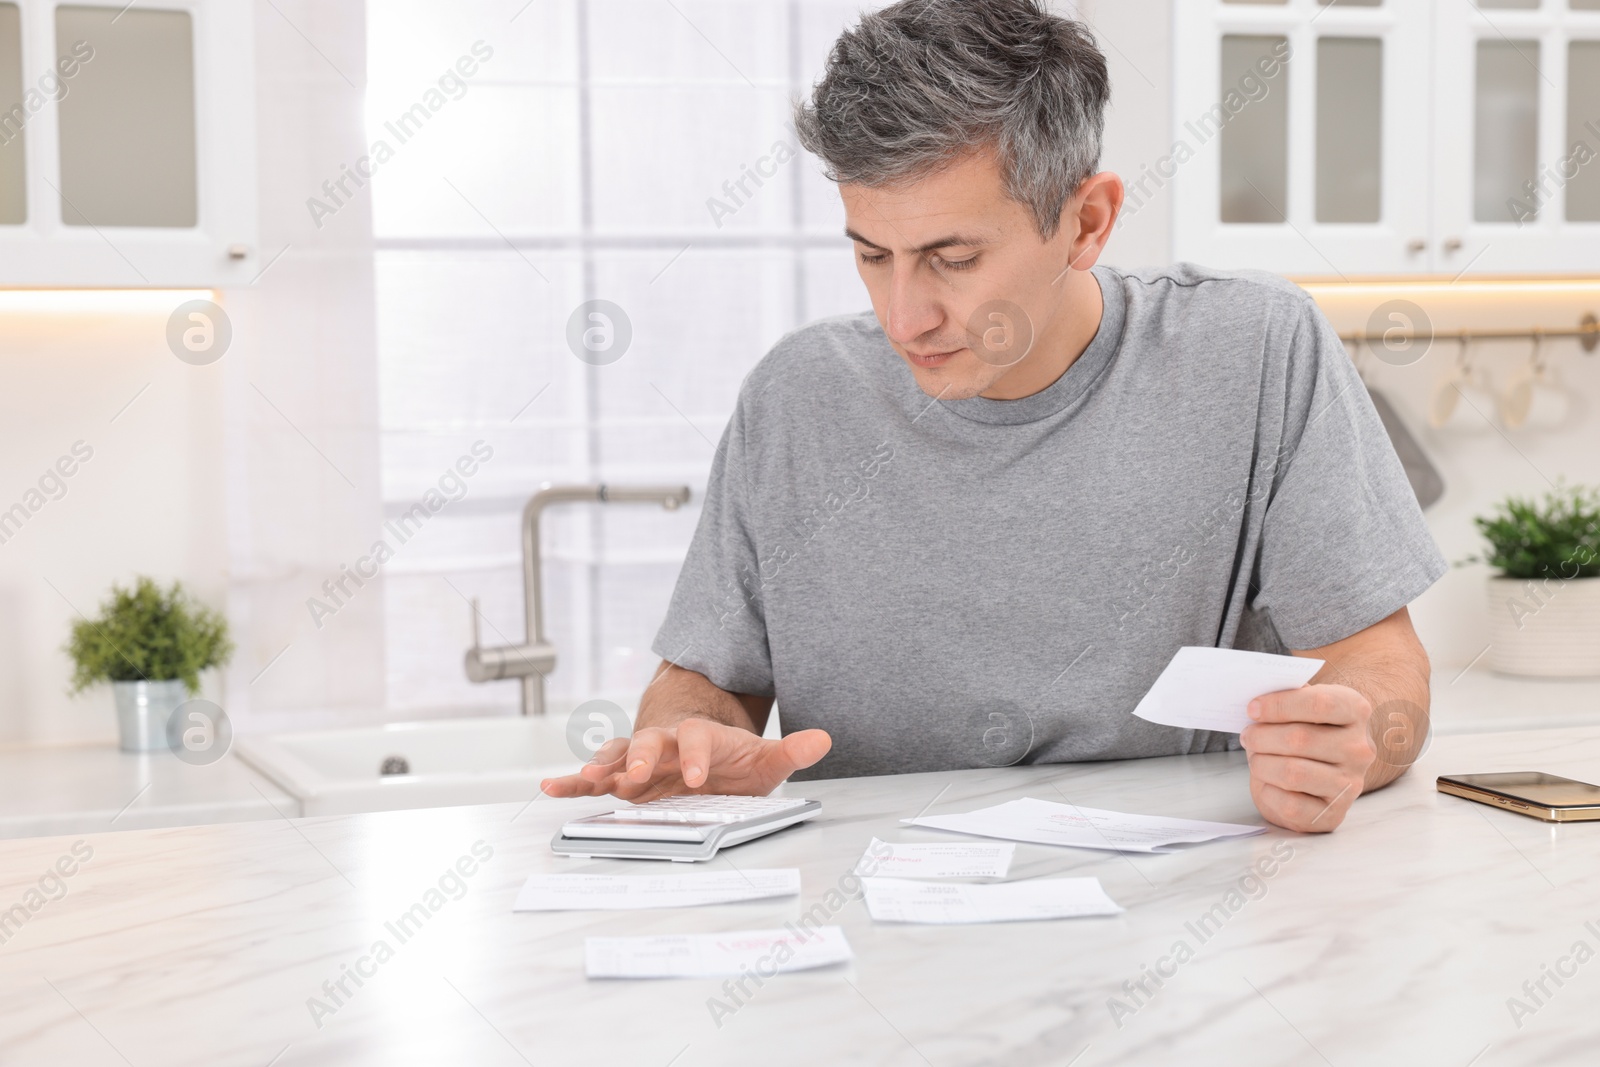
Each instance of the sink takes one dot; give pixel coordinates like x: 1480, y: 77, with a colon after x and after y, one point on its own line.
x: 442, y: 763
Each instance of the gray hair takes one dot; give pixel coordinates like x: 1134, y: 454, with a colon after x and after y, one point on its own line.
x: 922, y: 83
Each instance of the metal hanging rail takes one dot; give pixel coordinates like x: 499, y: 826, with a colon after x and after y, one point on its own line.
x: 1587, y: 332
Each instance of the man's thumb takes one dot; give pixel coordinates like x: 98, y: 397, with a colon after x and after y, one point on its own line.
x: 804, y: 747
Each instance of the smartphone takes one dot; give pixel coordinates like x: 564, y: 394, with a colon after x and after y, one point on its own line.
x: 1543, y: 796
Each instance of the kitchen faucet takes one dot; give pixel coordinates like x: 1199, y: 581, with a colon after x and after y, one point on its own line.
x: 536, y: 657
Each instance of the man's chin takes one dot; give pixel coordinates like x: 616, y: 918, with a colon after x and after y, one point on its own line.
x: 946, y: 383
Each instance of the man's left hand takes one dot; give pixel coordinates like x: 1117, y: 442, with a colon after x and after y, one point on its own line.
x: 1309, y: 750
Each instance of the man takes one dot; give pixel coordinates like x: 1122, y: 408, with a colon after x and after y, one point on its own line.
x: 971, y: 528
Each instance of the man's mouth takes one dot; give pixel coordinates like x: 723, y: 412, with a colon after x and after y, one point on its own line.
x: 932, y: 359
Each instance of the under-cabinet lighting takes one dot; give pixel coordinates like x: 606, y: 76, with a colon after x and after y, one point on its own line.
x: 98, y: 301
x: 1478, y: 286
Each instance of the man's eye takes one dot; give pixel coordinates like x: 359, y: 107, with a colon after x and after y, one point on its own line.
x: 874, y: 259
x: 960, y: 264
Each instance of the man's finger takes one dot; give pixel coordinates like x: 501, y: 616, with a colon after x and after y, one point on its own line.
x: 611, y: 751
x: 1297, y: 811
x: 607, y: 759
x: 660, y: 785
x: 644, y: 754
x: 696, y: 739
x: 669, y: 786
x: 1309, y: 739
x: 572, y: 785
x: 1310, y: 703
x: 1297, y: 775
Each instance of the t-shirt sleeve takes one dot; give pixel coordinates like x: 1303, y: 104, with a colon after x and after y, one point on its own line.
x: 716, y: 622
x: 1343, y: 543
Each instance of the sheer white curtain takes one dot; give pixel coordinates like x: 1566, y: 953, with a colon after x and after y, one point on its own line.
x: 634, y: 151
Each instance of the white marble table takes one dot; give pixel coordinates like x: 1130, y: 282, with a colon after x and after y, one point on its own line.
x: 1396, y: 940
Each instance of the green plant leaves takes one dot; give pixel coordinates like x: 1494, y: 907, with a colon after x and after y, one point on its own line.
x: 1558, y: 539
x: 148, y: 634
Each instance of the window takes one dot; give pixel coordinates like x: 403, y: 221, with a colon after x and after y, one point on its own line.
x: 621, y: 150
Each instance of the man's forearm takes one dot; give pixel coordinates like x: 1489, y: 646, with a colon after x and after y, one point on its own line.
x: 676, y: 694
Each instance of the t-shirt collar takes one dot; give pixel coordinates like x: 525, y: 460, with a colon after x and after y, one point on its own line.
x: 1071, y: 385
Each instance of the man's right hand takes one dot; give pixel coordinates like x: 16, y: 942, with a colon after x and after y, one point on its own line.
x: 695, y: 756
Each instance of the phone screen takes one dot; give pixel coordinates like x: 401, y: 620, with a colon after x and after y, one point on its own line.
x: 1546, y: 790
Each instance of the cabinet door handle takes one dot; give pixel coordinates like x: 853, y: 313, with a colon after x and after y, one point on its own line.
x: 1416, y: 245
x: 1452, y: 244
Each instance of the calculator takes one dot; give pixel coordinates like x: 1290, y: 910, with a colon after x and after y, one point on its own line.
x: 686, y: 829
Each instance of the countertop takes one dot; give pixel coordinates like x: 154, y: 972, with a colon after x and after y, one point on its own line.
x: 64, y: 789
x: 88, y: 788
x: 1396, y: 940
x: 1474, y: 700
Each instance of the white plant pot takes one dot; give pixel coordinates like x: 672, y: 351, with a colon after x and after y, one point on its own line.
x: 143, y: 709
x: 1544, y: 628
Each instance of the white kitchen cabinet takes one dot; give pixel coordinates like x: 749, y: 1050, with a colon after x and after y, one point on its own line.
x: 127, y: 144
x: 1517, y: 130
x: 1385, y: 136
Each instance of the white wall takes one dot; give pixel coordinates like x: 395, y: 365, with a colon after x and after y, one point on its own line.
x: 1135, y: 36
x: 200, y: 478
x: 148, y: 501
x: 1480, y: 460
x: 302, y: 445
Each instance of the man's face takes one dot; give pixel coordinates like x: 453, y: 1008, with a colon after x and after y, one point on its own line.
x: 960, y: 278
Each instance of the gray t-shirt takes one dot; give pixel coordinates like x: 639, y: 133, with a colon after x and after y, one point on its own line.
x: 971, y: 583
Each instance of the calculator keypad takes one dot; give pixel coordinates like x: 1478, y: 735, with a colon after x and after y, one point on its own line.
x: 720, y: 809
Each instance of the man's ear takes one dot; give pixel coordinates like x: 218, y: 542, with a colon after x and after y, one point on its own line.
x: 1091, y: 213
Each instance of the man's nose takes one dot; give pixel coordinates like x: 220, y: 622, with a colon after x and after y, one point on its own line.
x: 914, y: 305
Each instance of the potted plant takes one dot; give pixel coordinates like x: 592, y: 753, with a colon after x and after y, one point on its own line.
x: 1544, y: 604
x: 151, y: 644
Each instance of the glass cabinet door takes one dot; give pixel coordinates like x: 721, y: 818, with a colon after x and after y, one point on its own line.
x: 127, y: 144
x: 1307, y: 153
x: 13, y: 121
x: 1517, y: 114
x: 127, y: 128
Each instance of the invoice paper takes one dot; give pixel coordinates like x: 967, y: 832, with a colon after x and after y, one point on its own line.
x: 936, y: 859
x: 1209, y: 688
x: 761, y: 952
x: 1044, y: 822
x: 617, y: 892
x: 898, y: 900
